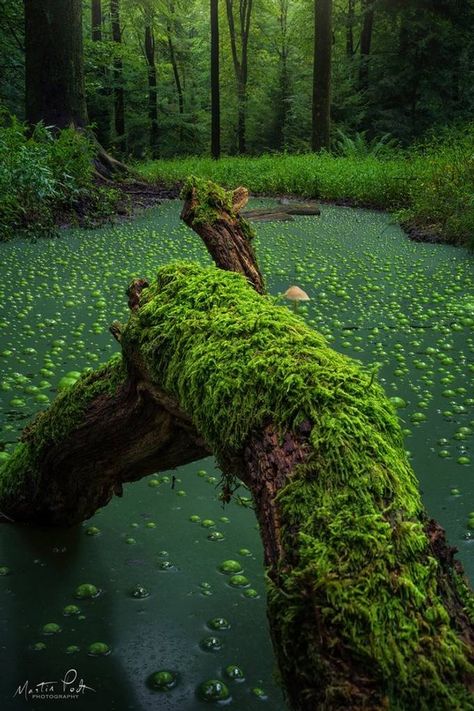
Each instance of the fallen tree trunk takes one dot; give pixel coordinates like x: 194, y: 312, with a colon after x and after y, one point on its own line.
x: 284, y: 211
x: 367, y: 607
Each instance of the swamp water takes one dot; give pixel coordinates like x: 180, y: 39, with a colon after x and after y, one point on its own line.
x: 405, y: 310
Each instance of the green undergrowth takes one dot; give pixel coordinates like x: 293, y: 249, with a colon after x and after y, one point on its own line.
x: 47, y: 179
x: 430, y: 187
x: 356, y: 556
x: 54, y: 424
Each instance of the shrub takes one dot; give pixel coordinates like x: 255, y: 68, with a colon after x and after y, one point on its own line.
x: 44, y: 177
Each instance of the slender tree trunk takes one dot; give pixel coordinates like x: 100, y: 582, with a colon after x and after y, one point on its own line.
x: 96, y: 20
x: 176, y: 75
x: 367, y: 7
x: 322, y: 75
x: 284, y: 76
x: 99, y: 104
x: 54, y: 68
x: 152, y: 95
x: 240, y: 63
x: 350, y: 28
x: 368, y: 609
x: 215, y: 83
x: 119, y: 95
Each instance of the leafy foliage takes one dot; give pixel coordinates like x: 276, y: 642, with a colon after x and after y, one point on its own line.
x: 43, y: 176
x: 430, y: 187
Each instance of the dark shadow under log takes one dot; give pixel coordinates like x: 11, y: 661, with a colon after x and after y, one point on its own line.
x: 368, y: 609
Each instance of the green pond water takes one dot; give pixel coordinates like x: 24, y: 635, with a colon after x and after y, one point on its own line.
x: 405, y: 308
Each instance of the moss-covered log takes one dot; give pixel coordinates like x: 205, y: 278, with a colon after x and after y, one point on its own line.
x: 367, y: 607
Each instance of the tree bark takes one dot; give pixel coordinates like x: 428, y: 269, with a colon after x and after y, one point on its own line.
x: 152, y: 95
x: 228, y: 237
x: 240, y: 63
x: 367, y: 607
x: 177, y: 79
x: 119, y: 94
x: 55, y: 91
x: 96, y: 20
x: 215, y: 83
x: 350, y: 28
x: 366, y: 41
x: 322, y: 75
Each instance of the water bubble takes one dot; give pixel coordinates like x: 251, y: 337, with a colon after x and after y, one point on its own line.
x: 259, y: 693
x: 239, y: 581
x: 210, y: 644
x: 98, y: 649
x: 163, y: 680
x: 218, y: 623
x: 92, y: 531
x: 86, y: 590
x: 251, y: 593
x: 213, y: 690
x: 208, y: 523
x: 229, y: 567
x: 234, y: 672
x: 51, y: 628
x: 216, y: 536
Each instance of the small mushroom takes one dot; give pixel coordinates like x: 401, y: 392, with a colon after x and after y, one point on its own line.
x: 295, y: 295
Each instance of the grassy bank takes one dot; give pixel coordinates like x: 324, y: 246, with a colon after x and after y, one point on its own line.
x: 430, y: 189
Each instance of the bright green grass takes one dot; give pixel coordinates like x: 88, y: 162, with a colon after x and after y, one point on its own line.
x: 431, y: 190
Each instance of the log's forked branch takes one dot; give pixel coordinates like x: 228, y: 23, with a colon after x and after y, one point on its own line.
x: 213, y: 214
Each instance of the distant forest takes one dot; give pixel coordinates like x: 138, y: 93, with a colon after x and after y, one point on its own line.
x: 399, y: 67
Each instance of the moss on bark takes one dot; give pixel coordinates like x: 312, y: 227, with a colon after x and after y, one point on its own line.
x: 356, y: 559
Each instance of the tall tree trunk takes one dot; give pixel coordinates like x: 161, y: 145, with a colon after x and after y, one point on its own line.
x: 177, y: 79
x: 281, y: 110
x: 215, y: 83
x: 54, y: 69
x: 240, y: 63
x: 350, y: 28
x: 152, y: 95
x: 119, y: 94
x: 322, y: 74
x: 367, y: 607
x: 99, y: 104
x: 96, y: 20
x: 367, y: 7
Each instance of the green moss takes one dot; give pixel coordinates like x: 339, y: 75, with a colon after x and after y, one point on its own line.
x: 211, y: 200
x: 55, y: 423
x: 353, y: 522
x: 69, y: 406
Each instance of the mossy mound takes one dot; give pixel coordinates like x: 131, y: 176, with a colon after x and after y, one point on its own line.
x: 358, y: 576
